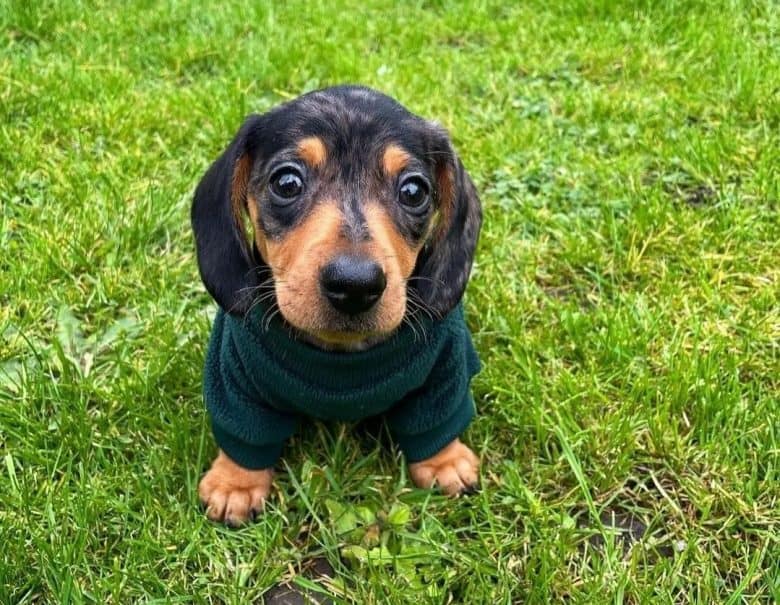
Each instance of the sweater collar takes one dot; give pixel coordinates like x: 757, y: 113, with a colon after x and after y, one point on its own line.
x: 271, y: 332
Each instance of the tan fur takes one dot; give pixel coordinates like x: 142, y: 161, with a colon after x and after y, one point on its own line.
x: 254, y: 215
x: 296, y: 261
x: 234, y: 494
x: 330, y: 340
x: 238, y: 189
x: 394, y: 159
x: 312, y: 150
x: 454, y: 469
x: 397, y: 258
x: 446, y: 182
x: 388, y: 240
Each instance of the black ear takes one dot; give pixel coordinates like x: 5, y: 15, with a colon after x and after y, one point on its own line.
x: 444, y: 263
x: 228, y: 266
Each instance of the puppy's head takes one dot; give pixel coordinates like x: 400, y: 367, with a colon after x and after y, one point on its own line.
x: 344, y: 209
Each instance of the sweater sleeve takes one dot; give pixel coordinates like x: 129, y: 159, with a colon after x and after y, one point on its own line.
x: 432, y: 416
x: 250, y: 433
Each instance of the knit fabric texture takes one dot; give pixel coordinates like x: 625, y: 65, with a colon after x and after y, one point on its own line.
x: 259, y: 380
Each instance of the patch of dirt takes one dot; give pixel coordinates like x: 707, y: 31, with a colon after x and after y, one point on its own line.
x: 287, y: 593
x: 701, y: 195
x: 682, y: 186
x: 628, y: 528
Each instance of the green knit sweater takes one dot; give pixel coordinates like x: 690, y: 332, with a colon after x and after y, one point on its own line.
x: 259, y: 380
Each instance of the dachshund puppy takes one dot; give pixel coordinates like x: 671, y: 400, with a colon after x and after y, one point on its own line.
x: 336, y: 233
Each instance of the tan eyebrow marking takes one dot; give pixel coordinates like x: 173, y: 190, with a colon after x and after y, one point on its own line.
x: 312, y: 151
x: 394, y: 159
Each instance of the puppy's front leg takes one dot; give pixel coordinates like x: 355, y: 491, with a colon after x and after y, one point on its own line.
x: 454, y: 469
x: 232, y: 493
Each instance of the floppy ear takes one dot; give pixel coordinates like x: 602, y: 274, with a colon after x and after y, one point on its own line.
x: 228, y: 266
x: 444, y: 263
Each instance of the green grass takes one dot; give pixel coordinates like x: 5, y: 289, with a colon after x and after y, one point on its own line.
x: 624, y: 302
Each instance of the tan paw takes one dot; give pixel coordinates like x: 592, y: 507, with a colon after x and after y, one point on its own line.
x: 455, y: 470
x: 232, y: 493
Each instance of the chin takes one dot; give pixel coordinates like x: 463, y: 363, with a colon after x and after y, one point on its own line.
x: 331, y: 330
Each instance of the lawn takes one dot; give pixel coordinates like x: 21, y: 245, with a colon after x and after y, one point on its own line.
x: 625, y: 303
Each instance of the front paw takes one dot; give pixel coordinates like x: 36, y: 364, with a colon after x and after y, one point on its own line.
x: 233, y: 494
x: 455, y: 470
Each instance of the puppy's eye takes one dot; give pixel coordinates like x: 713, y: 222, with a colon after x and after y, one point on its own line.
x: 414, y: 193
x: 286, y: 184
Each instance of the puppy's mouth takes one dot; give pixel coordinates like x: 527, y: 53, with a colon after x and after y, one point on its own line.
x: 349, y: 301
x: 331, y: 329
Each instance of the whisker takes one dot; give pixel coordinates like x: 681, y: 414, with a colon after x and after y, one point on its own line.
x: 425, y: 278
x: 267, y: 322
x: 249, y: 310
x: 418, y: 304
x: 413, y: 320
x: 407, y: 321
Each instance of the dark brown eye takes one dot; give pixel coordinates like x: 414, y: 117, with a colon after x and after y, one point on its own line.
x: 286, y: 184
x: 414, y: 193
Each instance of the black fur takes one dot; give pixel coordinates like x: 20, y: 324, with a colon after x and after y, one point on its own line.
x: 228, y: 267
x: 444, y: 264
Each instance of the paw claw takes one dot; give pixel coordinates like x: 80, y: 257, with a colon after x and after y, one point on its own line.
x: 472, y: 489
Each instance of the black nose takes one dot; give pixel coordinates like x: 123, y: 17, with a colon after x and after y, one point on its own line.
x: 352, y: 284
